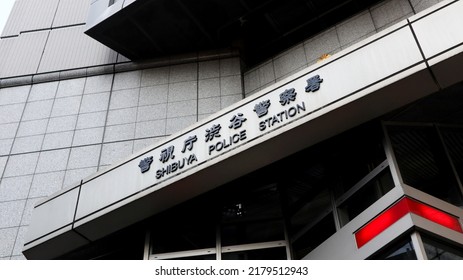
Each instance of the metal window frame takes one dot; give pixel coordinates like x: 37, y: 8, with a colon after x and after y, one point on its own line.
x: 181, y: 254
x: 254, y: 246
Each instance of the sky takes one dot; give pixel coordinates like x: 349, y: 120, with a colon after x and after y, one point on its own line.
x: 5, y: 9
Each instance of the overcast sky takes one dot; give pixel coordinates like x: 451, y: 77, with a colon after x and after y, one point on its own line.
x: 5, y: 9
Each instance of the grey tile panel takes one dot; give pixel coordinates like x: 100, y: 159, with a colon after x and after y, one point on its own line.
x: 2, y: 164
x: 176, y: 124
x: 183, y: 91
x: 389, y: 12
x: 229, y: 100
x: 230, y: 66
x: 19, y: 243
x: 27, y: 144
x: 155, y: 76
x: 153, y: 95
x: 124, y: 98
x: 208, y: 105
x: 46, y: 184
x: 88, y: 136
x: 74, y: 176
x: 70, y: 87
x: 90, y: 120
x: 420, y: 5
x: 57, y: 140
x: 19, y: 165
x: 182, y: 108
x: 324, y: 43
x: 5, y: 146
x: 71, y: 12
x: 51, y: 161
x: 114, y: 152
x: 150, y: 128
x: 290, y: 61
x: 119, y: 132
x: 60, y: 124
x: 28, y: 15
x: 183, y: 73
x: 152, y: 112
x: 122, y: 116
x: 43, y: 91
x: 127, y: 80
x: 11, y: 213
x: 140, y: 144
x: 8, y: 130
x: 354, y: 28
x: 66, y: 106
x: 83, y: 157
x: 15, y: 188
x: 14, y: 95
x: 210, y: 69
x: 209, y: 88
x: 230, y: 85
x: 69, y: 48
x: 7, y: 239
x: 30, y: 203
x: 94, y: 102
x: 35, y: 127
x: 37, y: 110
x: 97, y: 84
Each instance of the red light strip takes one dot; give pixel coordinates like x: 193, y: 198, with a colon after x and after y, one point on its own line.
x: 397, y: 211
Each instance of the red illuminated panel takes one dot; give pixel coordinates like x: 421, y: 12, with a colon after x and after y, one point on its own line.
x: 434, y: 215
x: 397, y: 211
x: 381, y: 222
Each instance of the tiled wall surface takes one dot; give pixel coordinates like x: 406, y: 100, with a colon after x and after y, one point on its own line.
x: 331, y: 41
x: 54, y: 134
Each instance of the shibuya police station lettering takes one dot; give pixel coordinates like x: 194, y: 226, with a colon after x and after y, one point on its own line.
x: 230, y: 130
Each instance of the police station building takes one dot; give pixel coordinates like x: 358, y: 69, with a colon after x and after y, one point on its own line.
x: 232, y: 130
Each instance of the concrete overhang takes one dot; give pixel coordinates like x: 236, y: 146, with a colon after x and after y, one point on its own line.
x: 146, y: 29
x: 367, y: 80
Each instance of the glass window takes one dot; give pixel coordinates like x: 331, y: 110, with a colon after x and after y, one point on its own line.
x: 314, y: 237
x: 187, y: 227
x: 260, y: 254
x: 398, y: 250
x: 254, y: 216
x: 423, y: 162
x: 201, y: 257
x: 438, y: 250
x: 366, y: 196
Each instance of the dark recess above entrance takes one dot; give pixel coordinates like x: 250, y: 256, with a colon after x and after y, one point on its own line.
x: 258, y: 28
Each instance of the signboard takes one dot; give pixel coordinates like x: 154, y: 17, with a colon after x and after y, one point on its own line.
x: 232, y: 129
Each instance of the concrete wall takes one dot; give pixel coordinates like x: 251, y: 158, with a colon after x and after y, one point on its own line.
x: 331, y: 41
x: 56, y: 132
x: 53, y: 134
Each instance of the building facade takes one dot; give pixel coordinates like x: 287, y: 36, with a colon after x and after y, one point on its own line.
x: 276, y: 135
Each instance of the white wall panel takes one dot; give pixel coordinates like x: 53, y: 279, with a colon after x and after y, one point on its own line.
x: 71, y: 12
x: 440, y: 31
x: 21, y: 55
x: 28, y: 15
x: 69, y: 48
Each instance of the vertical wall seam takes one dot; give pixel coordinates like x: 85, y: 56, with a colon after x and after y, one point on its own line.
x: 106, y: 120
x: 33, y: 175
x: 423, y: 55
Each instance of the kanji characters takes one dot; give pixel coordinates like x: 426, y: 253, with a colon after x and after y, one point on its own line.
x: 167, y: 154
x: 214, y: 131
x: 261, y: 108
x: 287, y: 96
x: 313, y: 84
x: 188, y: 144
x: 237, y: 121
